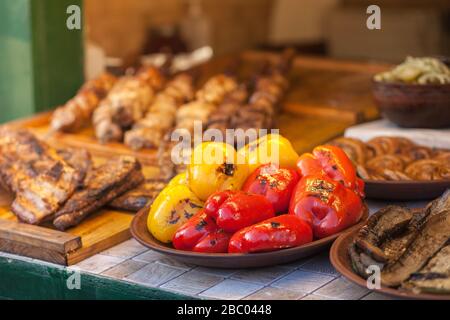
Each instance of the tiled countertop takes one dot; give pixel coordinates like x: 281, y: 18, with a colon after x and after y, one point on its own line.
x: 311, y: 278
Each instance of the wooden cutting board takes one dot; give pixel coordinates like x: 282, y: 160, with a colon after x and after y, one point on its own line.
x: 98, y: 232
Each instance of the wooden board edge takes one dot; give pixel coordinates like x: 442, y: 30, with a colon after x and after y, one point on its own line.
x: 18, y: 248
x: 351, y: 116
x: 86, y: 252
x: 37, y: 236
x: 315, y: 62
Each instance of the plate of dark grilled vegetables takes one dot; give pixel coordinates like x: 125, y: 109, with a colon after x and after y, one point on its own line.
x: 411, y: 248
x: 396, y: 168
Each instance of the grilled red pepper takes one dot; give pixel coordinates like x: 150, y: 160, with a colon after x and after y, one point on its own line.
x: 332, y: 162
x: 274, y: 183
x: 239, y: 210
x: 281, y: 232
x: 215, y: 200
x: 214, y: 242
x: 327, y: 205
x: 193, y: 231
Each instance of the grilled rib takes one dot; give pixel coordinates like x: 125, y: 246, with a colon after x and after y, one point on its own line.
x: 77, y: 112
x: 104, y: 183
x: 40, y: 178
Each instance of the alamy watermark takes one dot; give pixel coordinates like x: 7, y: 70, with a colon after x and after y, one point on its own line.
x: 73, y: 21
x: 373, y: 22
x: 73, y: 281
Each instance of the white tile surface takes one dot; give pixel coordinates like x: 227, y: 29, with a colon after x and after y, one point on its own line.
x: 303, y: 281
x: 263, y: 276
x: 126, y: 250
x: 192, y: 282
x: 271, y: 293
x: 341, y: 288
x: 231, y: 290
x: 98, y: 263
x: 124, y: 269
x: 154, y: 275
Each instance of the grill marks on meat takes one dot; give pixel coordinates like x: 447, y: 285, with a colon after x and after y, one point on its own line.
x: 136, y: 199
x: 104, y: 183
x: 77, y: 112
x: 40, y: 179
x: 79, y: 159
x: 410, y: 247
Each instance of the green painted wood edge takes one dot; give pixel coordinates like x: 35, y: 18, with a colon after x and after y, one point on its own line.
x: 26, y: 280
x: 58, y: 53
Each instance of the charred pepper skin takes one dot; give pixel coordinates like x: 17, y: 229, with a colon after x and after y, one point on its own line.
x: 325, y: 204
x: 281, y: 232
x: 171, y: 209
x: 274, y: 183
x: 214, y: 167
x: 214, y: 202
x: 194, y: 230
x: 242, y: 210
x: 332, y: 162
x: 214, y: 242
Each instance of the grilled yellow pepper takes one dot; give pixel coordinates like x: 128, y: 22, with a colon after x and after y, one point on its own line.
x: 272, y: 148
x: 214, y: 167
x: 171, y: 209
x: 180, y: 179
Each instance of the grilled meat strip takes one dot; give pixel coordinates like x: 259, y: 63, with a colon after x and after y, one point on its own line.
x: 79, y: 159
x: 159, y: 119
x: 104, y: 183
x: 40, y: 178
x: 136, y: 199
x: 77, y: 112
x: 126, y: 103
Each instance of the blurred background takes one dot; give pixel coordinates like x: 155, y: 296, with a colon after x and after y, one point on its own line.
x: 43, y: 63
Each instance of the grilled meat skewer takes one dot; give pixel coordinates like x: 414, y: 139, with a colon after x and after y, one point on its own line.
x: 77, y: 112
x: 126, y: 103
x: 159, y: 119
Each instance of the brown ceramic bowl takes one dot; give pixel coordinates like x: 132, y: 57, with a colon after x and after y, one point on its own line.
x: 341, y: 261
x: 232, y: 260
x: 414, y: 105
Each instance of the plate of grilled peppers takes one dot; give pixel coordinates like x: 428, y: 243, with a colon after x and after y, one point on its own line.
x: 267, y: 210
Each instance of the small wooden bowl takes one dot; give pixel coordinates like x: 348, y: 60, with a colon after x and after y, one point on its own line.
x: 414, y: 105
x: 231, y: 260
x: 405, y: 190
x: 341, y: 262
